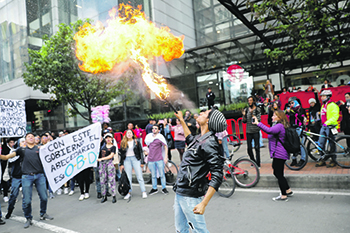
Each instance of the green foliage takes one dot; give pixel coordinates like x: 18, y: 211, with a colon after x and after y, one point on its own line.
x: 234, y: 106
x: 54, y: 70
x: 315, y: 28
x: 161, y: 116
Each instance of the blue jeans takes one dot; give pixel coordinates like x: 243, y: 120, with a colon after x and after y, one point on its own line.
x: 184, y: 216
x: 302, y: 151
x: 325, y: 131
x: 27, y: 186
x: 15, y: 184
x: 131, y: 162
x: 260, y: 140
x: 153, y: 167
x: 97, y: 179
x: 225, y: 147
x: 72, y: 184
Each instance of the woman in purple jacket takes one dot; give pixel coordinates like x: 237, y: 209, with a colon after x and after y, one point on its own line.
x: 277, y: 151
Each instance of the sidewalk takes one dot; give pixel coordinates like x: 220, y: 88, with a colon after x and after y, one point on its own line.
x: 309, y: 177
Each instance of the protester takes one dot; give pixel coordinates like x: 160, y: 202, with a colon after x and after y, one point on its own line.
x: 16, y: 177
x: 148, y: 128
x: 297, y: 118
x: 131, y: 157
x: 269, y: 90
x: 179, y: 137
x: 274, y: 107
x: 157, y: 147
x: 252, y: 131
x: 2, y: 222
x: 190, y: 122
x: 5, y: 150
x: 32, y: 173
x: 329, y: 120
x: 326, y: 84
x: 84, y: 181
x: 107, y: 169
x: 223, y: 141
x: 138, y: 134
x: 276, y: 98
x: 342, y: 83
x: 276, y: 135
x: 210, y: 98
x: 203, y: 156
x: 314, y: 117
x: 345, y: 123
x: 310, y: 88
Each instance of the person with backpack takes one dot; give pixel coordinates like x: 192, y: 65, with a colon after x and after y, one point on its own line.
x: 329, y: 121
x: 131, y: 158
x: 107, y: 169
x: 278, y: 153
x: 296, y: 115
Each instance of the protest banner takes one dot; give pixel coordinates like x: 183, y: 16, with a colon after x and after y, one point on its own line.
x: 66, y: 156
x: 12, y: 118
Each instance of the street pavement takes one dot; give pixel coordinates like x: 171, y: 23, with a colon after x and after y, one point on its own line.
x: 247, y: 210
x: 320, y: 204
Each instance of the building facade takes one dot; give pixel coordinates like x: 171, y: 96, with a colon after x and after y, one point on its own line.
x: 217, y: 35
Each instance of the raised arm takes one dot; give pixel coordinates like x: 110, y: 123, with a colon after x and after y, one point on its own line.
x: 9, y: 156
x: 183, y: 123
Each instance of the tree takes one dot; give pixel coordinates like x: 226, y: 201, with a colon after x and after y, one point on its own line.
x: 306, y: 29
x: 54, y: 70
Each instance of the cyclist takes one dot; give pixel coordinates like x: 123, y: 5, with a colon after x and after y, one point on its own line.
x: 296, y: 115
x: 329, y: 119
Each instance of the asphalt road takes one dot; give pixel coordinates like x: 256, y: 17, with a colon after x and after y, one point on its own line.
x: 248, y: 210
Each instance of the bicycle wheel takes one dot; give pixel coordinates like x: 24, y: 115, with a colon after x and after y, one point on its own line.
x: 233, y: 143
x: 343, y: 152
x: 170, y: 170
x: 228, y: 185
x: 246, y: 173
x: 298, y: 158
x: 313, y: 152
x: 146, y: 173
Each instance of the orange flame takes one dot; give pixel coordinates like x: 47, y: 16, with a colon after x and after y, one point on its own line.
x: 128, y: 36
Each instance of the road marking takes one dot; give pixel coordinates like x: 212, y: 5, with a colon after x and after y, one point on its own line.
x: 296, y: 192
x: 42, y: 225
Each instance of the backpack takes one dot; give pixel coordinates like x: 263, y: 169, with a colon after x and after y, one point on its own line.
x: 124, y: 184
x: 291, y: 141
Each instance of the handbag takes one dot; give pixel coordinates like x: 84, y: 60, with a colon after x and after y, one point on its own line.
x: 170, y: 141
x: 116, y: 158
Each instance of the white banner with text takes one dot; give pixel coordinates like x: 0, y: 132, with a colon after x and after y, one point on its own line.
x: 66, y: 156
x: 12, y: 118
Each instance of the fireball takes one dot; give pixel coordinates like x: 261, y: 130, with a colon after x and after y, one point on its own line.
x: 127, y: 36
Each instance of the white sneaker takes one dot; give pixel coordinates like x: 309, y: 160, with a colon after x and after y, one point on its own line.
x: 6, y: 199
x: 227, y: 161
x: 71, y: 193
x: 86, y: 195
x: 127, y: 196
x: 20, y: 189
x: 81, y: 197
x: 65, y: 191
x: 59, y: 191
x: 144, y: 195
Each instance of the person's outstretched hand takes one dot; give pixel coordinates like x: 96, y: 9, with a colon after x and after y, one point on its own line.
x: 179, y: 115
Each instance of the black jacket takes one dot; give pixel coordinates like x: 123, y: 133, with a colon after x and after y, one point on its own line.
x: 210, y: 97
x: 345, y: 123
x: 201, y: 157
x: 137, y: 151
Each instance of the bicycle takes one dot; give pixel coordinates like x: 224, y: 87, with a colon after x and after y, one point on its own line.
x: 170, y: 170
x: 341, y: 150
x: 245, y: 171
x: 228, y: 185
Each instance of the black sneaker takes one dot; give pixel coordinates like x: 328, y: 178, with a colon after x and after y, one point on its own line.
x: 290, y: 194
x: 45, y: 216
x: 2, y: 222
x: 99, y: 196
x: 165, y: 191
x: 153, y: 191
x: 300, y: 163
x: 108, y: 194
x: 8, y: 215
x: 28, y: 223
x: 294, y: 162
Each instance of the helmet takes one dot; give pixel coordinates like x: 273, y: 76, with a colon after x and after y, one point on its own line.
x: 326, y: 92
x: 312, y: 100
x: 292, y: 99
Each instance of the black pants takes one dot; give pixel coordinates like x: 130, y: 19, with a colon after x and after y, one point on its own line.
x: 84, y: 178
x: 278, y: 172
x: 210, y: 105
x: 256, y: 137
